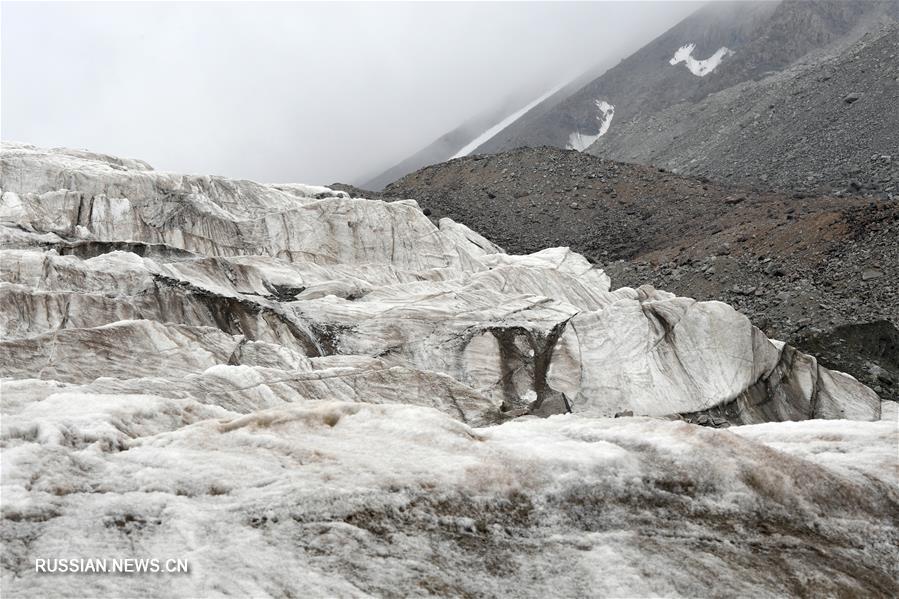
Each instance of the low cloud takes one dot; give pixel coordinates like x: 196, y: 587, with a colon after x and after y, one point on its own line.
x: 302, y: 92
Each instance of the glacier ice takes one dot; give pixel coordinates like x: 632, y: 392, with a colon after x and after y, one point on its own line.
x: 305, y: 393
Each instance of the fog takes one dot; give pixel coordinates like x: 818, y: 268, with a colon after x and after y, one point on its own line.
x: 302, y: 92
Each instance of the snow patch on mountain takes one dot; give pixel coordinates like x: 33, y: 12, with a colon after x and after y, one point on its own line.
x: 700, y: 68
x: 581, y: 141
x: 494, y: 130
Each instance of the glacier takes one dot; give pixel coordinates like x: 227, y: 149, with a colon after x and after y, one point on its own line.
x: 301, y: 392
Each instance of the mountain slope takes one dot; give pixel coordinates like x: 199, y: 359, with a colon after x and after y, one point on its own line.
x: 441, y: 148
x: 467, y: 138
x: 829, y: 123
x: 643, y: 82
x: 748, y: 40
x: 720, y: 48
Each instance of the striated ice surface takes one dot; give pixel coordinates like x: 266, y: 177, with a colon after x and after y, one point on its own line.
x: 304, y: 394
x: 329, y: 498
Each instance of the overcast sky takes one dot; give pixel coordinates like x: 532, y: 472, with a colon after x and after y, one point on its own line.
x: 300, y: 92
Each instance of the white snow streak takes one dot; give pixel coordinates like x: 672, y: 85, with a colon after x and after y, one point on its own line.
x: 579, y: 141
x: 494, y: 130
x: 700, y: 68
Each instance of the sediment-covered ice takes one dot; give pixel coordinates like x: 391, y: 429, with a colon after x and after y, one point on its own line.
x: 346, y: 499
x: 306, y: 394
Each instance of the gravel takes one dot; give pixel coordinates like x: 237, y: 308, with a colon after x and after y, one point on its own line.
x: 829, y: 124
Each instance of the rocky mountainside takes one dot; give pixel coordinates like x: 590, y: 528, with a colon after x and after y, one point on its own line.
x: 463, y: 140
x: 643, y: 82
x: 573, y: 110
x: 721, y: 45
x: 828, y: 124
x: 799, y: 268
x: 446, y: 146
x: 793, y: 94
x: 240, y: 374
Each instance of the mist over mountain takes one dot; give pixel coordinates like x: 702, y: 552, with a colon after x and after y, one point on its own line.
x: 280, y: 91
x: 674, y: 101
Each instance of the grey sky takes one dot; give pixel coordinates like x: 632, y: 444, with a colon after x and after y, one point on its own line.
x: 303, y: 92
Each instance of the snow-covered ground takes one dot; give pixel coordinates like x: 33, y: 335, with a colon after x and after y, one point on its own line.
x: 581, y: 141
x: 700, y: 68
x: 497, y: 128
x: 344, y: 499
x: 301, y: 393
